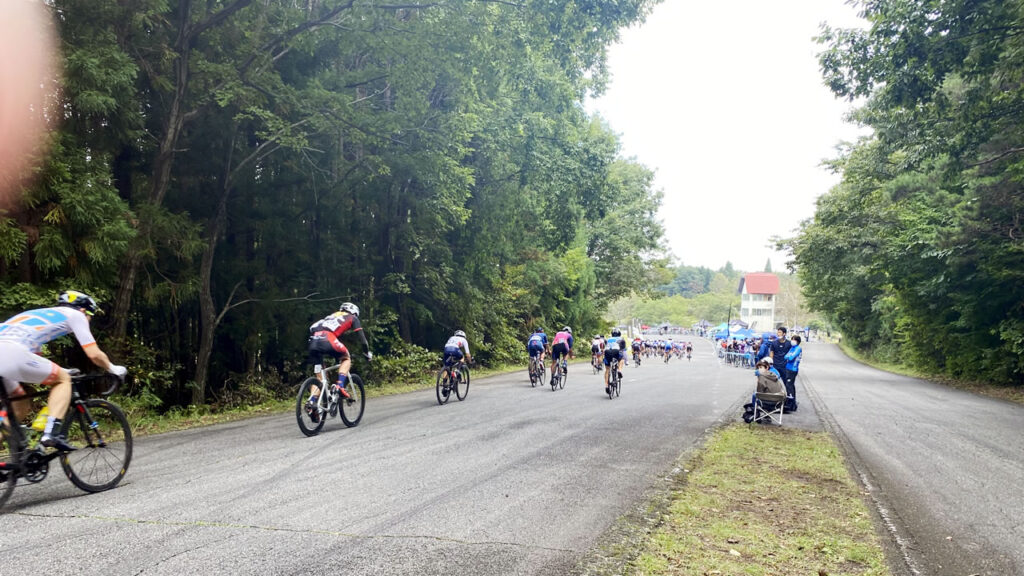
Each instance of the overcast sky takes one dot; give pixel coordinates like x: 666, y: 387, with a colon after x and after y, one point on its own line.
x: 725, y: 101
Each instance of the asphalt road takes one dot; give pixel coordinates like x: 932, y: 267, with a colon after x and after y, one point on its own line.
x: 513, y: 480
x: 943, y: 466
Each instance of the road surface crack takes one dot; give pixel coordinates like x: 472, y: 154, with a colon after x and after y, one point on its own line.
x: 310, y: 531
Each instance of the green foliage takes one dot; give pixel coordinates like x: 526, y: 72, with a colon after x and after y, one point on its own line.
x: 917, y: 255
x: 233, y: 171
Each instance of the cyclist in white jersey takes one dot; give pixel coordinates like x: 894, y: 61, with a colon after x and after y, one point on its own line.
x: 21, y: 338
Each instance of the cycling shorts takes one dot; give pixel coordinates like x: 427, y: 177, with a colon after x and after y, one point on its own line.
x: 18, y: 364
x: 636, y: 347
x: 452, y: 354
x: 613, y: 355
x: 325, y: 342
x: 559, y: 350
x: 535, y: 350
x: 594, y: 348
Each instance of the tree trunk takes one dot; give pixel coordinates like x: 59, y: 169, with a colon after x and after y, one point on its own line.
x: 208, y: 318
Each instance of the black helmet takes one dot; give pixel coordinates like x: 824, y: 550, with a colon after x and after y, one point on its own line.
x: 80, y: 300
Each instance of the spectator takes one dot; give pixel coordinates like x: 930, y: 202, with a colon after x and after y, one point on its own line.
x: 779, y: 348
x: 792, y: 368
x: 768, y: 380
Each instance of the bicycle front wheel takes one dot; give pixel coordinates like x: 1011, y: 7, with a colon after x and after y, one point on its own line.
x: 443, y: 389
x: 310, y: 419
x: 352, y: 408
x: 462, y: 383
x: 100, y: 431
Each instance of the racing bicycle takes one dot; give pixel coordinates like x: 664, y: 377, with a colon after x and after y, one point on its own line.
x: 96, y: 427
x: 311, y: 416
x: 614, y: 381
x: 560, y: 376
x: 453, y: 377
x: 537, y: 370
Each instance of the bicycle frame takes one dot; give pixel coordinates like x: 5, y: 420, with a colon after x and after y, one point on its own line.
x: 322, y: 402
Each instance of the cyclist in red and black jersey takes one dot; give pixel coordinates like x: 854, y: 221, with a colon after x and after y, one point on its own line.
x: 324, y: 338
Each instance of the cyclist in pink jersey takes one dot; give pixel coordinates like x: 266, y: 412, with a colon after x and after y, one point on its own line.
x: 561, y: 345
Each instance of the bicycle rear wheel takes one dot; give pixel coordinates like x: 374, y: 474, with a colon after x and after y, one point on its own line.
x: 8, y: 458
x: 311, y: 421
x: 443, y: 389
x: 462, y: 383
x: 100, y: 431
x: 351, y: 409
x: 565, y: 376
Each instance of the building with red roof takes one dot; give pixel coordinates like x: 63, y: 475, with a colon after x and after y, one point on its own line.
x: 758, y: 291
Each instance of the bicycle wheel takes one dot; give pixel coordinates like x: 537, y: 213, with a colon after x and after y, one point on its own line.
x: 554, y: 382
x: 443, y: 390
x: 311, y: 421
x: 462, y: 383
x: 565, y: 376
x: 103, y: 437
x: 351, y: 408
x: 611, y: 387
x: 8, y: 459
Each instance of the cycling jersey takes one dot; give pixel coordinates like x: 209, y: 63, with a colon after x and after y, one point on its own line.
x: 23, y: 335
x: 34, y: 328
x: 338, y: 323
x: 616, y: 343
x: 459, y: 343
x: 537, y: 339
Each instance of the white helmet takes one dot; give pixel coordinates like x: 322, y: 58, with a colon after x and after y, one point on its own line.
x: 460, y: 333
x: 350, y: 308
x: 567, y: 329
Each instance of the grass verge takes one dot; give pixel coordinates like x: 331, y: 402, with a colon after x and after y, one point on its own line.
x: 146, y: 422
x: 764, y: 500
x: 1009, y: 393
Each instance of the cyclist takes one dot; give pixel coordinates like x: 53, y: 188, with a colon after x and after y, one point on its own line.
x: 615, y: 351
x: 637, y: 346
x: 561, y: 346
x: 325, y: 338
x: 536, y: 344
x: 689, y: 350
x: 668, y: 349
x: 22, y: 336
x: 456, y: 349
x: 596, y: 348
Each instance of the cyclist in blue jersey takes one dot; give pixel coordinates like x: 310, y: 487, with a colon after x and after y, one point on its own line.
x: 537, y: 344
x: 614, y: 353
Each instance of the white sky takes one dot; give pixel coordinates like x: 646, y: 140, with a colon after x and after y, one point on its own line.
x: 725, y: 101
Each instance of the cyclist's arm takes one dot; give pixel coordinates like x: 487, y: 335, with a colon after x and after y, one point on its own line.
x: 358, y: 327
x: 97, y: 356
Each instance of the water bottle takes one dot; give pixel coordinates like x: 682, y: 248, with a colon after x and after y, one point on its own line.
x: 39, y: 424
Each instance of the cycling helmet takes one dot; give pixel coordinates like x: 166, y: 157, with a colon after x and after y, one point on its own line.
x: 350, y: 308
x: 539, y: 330
x: 76, y: 299
x: 460, y: 333
x: 616, y: 332
x: 567, y: 329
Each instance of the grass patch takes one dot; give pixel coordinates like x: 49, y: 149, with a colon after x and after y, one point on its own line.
x: 1008, y: 392
x: 765, y: 500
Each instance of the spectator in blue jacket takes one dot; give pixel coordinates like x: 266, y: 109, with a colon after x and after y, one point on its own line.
x: 792, y: 367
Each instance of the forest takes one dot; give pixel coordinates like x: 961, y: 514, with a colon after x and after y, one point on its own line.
x: 223, y: 173
x: 918, y: 254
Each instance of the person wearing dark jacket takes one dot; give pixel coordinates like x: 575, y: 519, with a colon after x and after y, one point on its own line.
x: 779, y: 348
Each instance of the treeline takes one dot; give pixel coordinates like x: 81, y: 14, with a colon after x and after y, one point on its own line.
x: 223, y: 173
x: 697, y: 293
x: 918, y: 254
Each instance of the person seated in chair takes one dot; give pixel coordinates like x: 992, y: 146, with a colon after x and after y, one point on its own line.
x: 768, y: 381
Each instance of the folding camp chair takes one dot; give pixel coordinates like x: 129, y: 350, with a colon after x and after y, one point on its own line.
x: 768, y: 408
